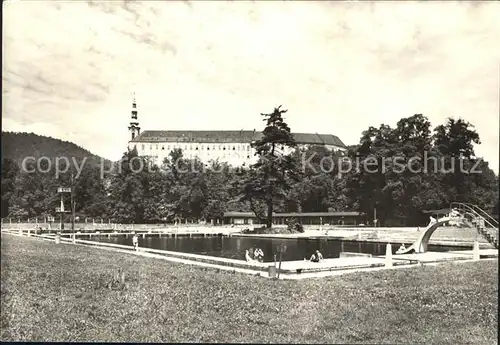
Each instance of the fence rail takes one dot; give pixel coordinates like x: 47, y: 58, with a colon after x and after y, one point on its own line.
x: 95, y: 221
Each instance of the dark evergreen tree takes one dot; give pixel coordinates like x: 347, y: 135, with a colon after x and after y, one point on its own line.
x: 268, y: 180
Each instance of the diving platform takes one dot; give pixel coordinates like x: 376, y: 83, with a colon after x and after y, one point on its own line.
x: 422, y: 243
x: 468, y: 214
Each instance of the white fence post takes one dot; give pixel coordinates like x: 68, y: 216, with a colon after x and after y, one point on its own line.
x: 388, y: 255
x: 475, y: 251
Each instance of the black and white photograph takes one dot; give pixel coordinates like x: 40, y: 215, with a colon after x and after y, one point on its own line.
x: 250, y: 171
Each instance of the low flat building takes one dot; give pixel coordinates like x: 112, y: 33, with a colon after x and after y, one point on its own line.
x: 306, y: 218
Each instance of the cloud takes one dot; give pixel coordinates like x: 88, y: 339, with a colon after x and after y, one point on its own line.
x: 338, y: 67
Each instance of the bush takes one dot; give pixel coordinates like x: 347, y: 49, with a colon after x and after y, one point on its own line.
x: 294, y: 225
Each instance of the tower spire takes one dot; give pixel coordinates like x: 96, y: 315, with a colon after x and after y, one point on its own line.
x: 134, y: 128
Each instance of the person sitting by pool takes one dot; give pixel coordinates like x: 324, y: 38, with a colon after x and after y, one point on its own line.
x: 247, y: 256
x: 251, y: 253
x: 316, y: 257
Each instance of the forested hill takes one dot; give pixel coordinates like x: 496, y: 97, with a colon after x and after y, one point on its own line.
x: 17, y: 146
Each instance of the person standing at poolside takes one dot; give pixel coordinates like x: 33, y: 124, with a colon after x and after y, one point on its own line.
x: 135, y: 241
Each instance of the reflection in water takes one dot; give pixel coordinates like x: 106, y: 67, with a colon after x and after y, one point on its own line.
x: 234, y: 247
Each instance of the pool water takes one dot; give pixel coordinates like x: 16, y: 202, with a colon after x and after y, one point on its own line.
x: 234, y: 247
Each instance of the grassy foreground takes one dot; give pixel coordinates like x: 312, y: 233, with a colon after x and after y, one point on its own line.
x: 55, y: 292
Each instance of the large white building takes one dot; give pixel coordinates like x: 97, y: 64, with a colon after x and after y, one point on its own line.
x: 233, y: 147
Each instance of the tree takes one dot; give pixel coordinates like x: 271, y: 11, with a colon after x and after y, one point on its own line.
x: 253, y: 194
x: 127, y: 189
x: 322, y: 185
x: 392, y: 185
x: 406, y: 178
x: 183, y: 180
x: 416, y: 171
x: 367, y: 186
x: 218, y: 188
x: 154, y: 194
x: 240, y: 194
x: 35, y: 191
x: 454, y: 141
x: 268, y: 181
x: 89, y: 191
x: 455, y: 138
x: 9, y: 172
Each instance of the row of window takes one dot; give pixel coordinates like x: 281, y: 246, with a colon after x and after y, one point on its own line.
x: 191, y: 156
x: 223, y: 156
x: 196, y: 147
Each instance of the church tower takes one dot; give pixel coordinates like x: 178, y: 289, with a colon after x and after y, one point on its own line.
x: 134, y: 128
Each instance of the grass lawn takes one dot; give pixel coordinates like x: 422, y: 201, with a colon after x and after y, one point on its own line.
x: 60, y: 292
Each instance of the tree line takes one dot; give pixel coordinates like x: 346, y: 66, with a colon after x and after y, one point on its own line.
x: 413, y: 168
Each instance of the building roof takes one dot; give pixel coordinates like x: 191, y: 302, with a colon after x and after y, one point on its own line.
x: 293, y: 214
x: 231, y: 137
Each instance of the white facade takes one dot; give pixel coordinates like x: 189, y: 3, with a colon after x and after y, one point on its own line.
x: 236, y: 154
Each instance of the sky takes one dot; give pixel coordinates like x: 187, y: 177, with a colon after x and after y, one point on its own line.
x: 70, y: 67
